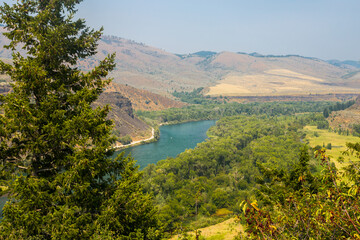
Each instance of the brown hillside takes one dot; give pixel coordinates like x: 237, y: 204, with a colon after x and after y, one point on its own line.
x: 276, y: 76
x: 143, y: 99
x: 247, y: 64
x: 149, y: 68
x: 345, y: 118
x: 225, y: 73
x: 122, y: 114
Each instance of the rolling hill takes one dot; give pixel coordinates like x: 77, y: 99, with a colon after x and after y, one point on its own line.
x: 224, y: 73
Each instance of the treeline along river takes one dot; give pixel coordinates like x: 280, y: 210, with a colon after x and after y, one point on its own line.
x: 174, y: 139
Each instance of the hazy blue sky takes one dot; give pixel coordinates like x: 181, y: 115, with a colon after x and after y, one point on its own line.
x: 326, y: 29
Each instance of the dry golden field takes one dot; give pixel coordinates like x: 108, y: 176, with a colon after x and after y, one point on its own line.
x: 274, y: 82
x: 226, y: 230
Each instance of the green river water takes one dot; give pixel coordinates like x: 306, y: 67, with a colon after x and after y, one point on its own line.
x: 174, y: 139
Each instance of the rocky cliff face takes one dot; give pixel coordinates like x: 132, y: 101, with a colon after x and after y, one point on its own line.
x: 122, y: 103
x: 125, y: 123
x: 144, y: 100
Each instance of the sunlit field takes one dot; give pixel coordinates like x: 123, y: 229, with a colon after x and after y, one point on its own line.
x: 338, y: 142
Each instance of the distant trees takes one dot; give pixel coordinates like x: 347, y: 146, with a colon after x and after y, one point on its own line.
x: 156, y: 133
x: 194, y: 97
x: 356, y: 129
x: 328, y: 146
x: 337, y: 107
x: 217, y: 110
x: 326, y: 113
x: 54, y: 148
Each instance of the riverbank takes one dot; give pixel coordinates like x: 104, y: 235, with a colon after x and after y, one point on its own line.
x: 152, y: 138
x: 187, y: 121
x: 135, y: 143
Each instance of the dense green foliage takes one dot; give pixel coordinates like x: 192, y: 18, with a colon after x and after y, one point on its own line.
x: 216, y: 111
x: 62, y: 184
x: 194, y: 97
x: 125, y: 140
x: 356, y: 129
x: 337, y: 107
x: 300, y: 205
x: 221, y: 172
x: 54, y: 148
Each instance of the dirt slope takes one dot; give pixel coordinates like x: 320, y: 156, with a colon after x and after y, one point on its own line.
x: 143, y: 99
x: 125, y: 123
x: 345, y: 118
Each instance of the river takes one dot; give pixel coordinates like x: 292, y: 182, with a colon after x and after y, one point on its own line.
x: 174, y: 139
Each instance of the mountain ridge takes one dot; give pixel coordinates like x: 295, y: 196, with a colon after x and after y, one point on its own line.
x: 158, y: 71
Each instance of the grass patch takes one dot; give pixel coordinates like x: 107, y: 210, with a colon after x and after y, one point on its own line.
x: 322, y: 137
x: 225, y: 230
x: 203, y: 222
x: 214, y: 237
x: 222, y: 212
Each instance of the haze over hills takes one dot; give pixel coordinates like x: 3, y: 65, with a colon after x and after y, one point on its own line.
x: 149, y: 68
x: 224, y: 73
x: 248, y: 74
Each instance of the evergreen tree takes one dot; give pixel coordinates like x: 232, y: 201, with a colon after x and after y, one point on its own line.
x: 326, y: 113
x: 54, y: 148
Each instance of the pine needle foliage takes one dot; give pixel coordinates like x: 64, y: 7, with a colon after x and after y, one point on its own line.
x: 54, y: 147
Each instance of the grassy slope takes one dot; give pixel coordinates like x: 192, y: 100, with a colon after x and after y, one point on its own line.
x: 324, y: 137
x: 222, y: 231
